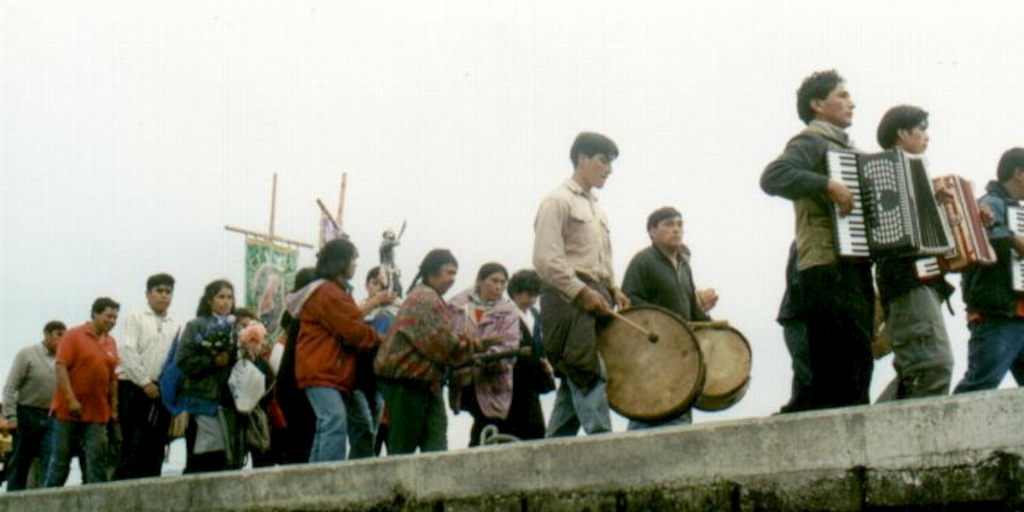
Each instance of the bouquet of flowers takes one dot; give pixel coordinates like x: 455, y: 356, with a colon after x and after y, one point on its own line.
x: 217, y: 337
x: 251, y: 340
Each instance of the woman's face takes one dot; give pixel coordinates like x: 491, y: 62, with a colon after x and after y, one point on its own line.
x: 492, y: 286
x: 223, y: 303
x: 350, y: 271
x: 444, y: 279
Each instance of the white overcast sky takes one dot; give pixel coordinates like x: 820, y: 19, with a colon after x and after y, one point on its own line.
x: 132, y: 132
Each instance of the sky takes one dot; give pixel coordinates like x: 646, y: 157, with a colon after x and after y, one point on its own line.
x: 131, y: 133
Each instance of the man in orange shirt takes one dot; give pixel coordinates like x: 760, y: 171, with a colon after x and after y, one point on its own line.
x: 86, y: 396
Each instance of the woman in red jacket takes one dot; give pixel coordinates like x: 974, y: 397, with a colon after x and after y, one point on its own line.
x: 331, y: 333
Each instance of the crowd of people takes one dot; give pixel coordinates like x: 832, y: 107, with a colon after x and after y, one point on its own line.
x: 348, y: 380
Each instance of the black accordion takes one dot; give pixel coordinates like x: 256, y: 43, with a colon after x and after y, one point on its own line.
x: 895, y: 212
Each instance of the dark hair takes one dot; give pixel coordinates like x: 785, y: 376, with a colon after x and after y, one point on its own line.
x: 590, y: 144
x: 101, y: 304
x: 245, y: 313
x: 1011, y: 160
x: 432, y: 263
x: 374, y: 273
x: 491, y: 268
x: 209, y: 293
x: 334, y: 258
x: 902, y: 117
x: 815, y: 87
x: 159, y: 280
x: 527, y: 280
x: 665, y: 212
x: 54, y: 325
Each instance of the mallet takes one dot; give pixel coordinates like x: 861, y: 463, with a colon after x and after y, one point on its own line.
x: 651, y: 337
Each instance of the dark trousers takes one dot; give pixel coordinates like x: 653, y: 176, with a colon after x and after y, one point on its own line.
x: 525, y: 417
x: 31, y: 441
x: 795, y: 333
x: 418, y: 418
x: 839, y: 302
x: 144, y: 424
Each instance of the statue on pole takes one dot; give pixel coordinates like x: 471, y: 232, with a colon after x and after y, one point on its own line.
x: 390, y: 275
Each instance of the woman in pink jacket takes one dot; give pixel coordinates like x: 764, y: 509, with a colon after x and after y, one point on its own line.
x: 484, y: 313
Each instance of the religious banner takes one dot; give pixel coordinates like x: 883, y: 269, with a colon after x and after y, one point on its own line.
x: 269, y: 274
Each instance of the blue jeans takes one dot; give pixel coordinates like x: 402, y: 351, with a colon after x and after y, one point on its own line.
x: 996, y: 344
x: 32, y: 439
x: 329, y: 440
x: 685, y: 418
x: 574, y: 409
x: 362, y: 424
x: 65, y: 435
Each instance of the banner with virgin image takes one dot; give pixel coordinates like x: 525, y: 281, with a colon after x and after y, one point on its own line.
x: 269, y: 274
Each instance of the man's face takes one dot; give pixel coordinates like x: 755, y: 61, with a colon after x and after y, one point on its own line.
x: 525, y: 300
x: 105, y: 320
x: 593, y: 171
x: 159, y: 298
x: 915, y: 140
x: 373, y: 286
x: 51, y: 338
x: 836, y: 108
x: 668, y: 234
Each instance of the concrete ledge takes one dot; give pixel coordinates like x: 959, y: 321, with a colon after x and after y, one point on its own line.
x: 951, y: 453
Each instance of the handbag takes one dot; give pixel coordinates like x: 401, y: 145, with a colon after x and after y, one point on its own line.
x: 257, y: 431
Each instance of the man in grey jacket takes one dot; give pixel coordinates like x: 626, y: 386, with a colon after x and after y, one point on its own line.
x: 27, y: 395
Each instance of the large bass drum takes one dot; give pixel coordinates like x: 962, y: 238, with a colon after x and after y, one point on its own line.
x: 651, y: 381
x: 728, y: 359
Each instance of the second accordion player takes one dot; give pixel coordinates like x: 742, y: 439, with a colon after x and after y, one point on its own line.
x: 894, y: 213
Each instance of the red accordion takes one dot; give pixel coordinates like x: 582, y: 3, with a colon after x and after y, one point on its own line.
x: 956, y: 195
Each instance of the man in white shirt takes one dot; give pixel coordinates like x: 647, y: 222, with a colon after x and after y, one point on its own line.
x: 146, y: 339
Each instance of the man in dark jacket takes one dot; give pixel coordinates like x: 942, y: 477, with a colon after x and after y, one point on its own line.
x: 660, y: 275
x: 995, y: 311
x: 837, y: 292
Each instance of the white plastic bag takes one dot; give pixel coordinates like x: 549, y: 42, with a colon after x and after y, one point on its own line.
x: 247, y: 384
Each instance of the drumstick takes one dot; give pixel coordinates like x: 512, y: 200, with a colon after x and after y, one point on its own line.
x: 651, y: 337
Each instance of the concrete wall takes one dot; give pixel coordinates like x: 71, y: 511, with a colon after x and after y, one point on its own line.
x: 952, y: 453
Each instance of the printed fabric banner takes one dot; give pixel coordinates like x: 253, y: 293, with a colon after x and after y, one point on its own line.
x: 269, y: 274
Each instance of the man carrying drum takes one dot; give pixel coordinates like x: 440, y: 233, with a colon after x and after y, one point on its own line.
x: 660, y: 275
x: 572, y: 254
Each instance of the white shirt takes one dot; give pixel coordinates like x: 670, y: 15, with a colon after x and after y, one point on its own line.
x: 145, y: 341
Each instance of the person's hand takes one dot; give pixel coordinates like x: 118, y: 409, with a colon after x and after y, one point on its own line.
x: 593, y: 302
x: 222, y: 359
x: 985, y: 215
x: 151, y: 390
x: 11, y: 425
x: 74, y: 407
x: 384, y: 298
x: 546, y: 366
x: 841, y: 196
x: 620, y: 299
x: 708, y: 298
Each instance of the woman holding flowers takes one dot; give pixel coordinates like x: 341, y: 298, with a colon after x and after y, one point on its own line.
x: 207, y: 350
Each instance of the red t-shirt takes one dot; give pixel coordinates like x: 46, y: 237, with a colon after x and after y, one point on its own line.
x: 90, y: 362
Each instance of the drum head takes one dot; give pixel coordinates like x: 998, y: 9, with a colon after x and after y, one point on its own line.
x: 651, y: 381
x: 728, y: 360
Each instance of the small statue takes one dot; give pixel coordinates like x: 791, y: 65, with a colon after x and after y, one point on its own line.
x: 390, y: 275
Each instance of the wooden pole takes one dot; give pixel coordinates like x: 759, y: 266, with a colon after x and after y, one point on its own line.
x: 266, y: 236
x: 273, y: 206
x: 340, y: 218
